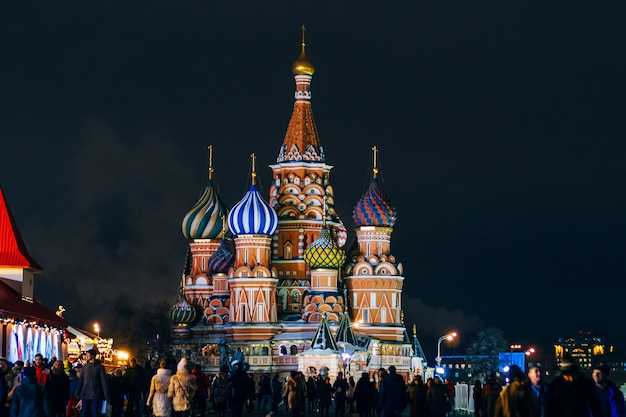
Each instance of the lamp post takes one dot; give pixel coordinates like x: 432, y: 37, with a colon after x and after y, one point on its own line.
x: 345, y: 357
x: 448, y: 336
x: 96, y: 328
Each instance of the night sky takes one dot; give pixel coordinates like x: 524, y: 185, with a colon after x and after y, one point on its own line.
x: 500, y: 128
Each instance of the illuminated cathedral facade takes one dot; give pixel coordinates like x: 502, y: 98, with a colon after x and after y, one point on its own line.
x: 273, y: 276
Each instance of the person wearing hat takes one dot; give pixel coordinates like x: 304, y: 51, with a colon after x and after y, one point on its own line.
x: 610, y: 397
x: 29, y: 398
x: 181, y: 389
x: 93, y: 387
x: 571, y: 394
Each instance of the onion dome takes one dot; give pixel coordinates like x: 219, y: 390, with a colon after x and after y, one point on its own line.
x: 324, y: 252
x: 253, y: 215
x: 374, y: 208
x: 183, y: 313
x: 302, y: 66
x: 206, y: 219
x: 223, y: 258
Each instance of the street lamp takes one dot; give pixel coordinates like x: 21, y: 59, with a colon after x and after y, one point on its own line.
x: 96, y: 328
x: 345, y: 357
x: 448, y: 336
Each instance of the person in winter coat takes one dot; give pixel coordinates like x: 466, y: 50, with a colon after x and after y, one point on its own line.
x: 392, y: 394
x: 438, y: 397
x: 491, y: 392
x: 610, y: 397
x: 477, y: 396
x: 222, y: 390
x: 116, y: 392
x: 295, y: 394
x: 92, y: 386
x: 58, y: 387
x: 537, y: 390
x: 364, y: 395
x: 277, y: 392
x: 29, y: 398
x: 416, y: 398
x: 202, y: 390
x: 572, y: 394
x: 241, y: 388
x: 4, y: 387
x: 181, y: 389
x: 157, y: 397
x: 265, y: 393
x: 324, y: 396
x: 71, y: 410
x: 134, y: 382
x: 514, y: 399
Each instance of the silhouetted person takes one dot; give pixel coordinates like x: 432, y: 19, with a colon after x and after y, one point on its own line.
x: 417, y: 399
x: 392, y: 394
x: 134, y: 382
x: 364, y: 395
x: 58, y: 387
x: 477, y: 395
x: 438, y: 398
x: 341, y: 391
x: 491, y: 392
x: 571, y: 394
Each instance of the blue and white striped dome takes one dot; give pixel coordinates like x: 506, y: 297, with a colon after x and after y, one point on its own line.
x: 252, y: 215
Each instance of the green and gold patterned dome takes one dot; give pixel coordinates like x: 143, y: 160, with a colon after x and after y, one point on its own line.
x: 182, y: 313
x: 324, y: 252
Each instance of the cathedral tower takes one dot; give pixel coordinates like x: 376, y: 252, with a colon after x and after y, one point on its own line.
x: 373, y: 277
x: 252, y: 283
x: 204, y: 226
x: 300, y: 190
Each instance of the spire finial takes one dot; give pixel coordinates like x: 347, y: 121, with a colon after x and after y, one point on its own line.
x: 324, y: 211
x: 210, y: 162
x: 253, y: 157
x: 375, y: 170
x: 414, y: 330
x: 303, y: 29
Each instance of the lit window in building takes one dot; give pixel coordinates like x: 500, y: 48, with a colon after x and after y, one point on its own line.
x: 373, y: 299
x: 366, y: 315
x: 383, y: 315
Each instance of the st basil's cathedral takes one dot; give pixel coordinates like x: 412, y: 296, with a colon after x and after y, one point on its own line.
x: 270, y: 279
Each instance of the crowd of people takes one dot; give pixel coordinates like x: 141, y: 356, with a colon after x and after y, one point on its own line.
x: 54, y: 388
x: 569, y: 394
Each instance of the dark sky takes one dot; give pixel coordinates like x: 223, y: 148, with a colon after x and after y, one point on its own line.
x: 500, y: 128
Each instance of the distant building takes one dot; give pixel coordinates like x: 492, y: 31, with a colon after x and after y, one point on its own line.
x: 271, y: 278
x: 584, y: 348
x: 27, y: 327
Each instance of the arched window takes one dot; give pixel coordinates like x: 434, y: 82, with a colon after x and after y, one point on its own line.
x: 295, y: 297
x: 293, y: 350
x: 282, y: 350
x: 288, y: 251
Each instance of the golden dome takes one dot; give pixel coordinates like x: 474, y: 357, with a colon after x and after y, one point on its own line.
x: 302, y: 66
